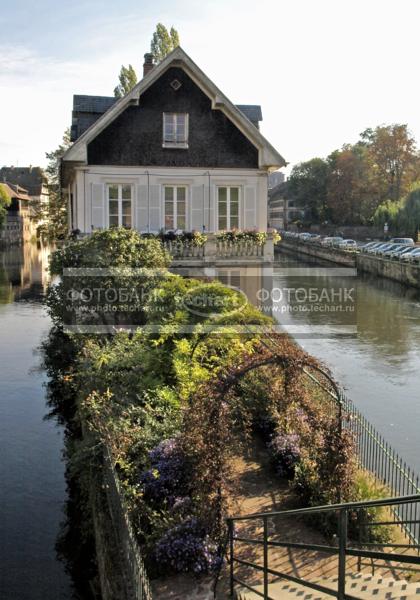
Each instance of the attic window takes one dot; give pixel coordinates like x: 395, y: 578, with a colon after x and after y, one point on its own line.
x: 175, y: 130
x: 175, y: 84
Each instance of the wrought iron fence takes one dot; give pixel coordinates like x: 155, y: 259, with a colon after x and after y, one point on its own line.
x: 136, y: 576
x: 377, y: 456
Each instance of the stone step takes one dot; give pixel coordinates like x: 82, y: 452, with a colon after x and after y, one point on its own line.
x: 364, y: 588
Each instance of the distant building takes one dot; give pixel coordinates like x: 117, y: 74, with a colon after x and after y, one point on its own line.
x: 282, y: 211
x: 35, y: 182
x: 18, y: 226
x: 275, y: 179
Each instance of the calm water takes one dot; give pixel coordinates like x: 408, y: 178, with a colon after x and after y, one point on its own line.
x: 32, y: 490
x: 379, y: 365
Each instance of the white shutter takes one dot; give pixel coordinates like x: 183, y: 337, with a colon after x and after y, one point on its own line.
x: 97, y: 206
x: 141, y: 208
x: 155, y: 210
x: 197, y: 206
x: 250, y: 207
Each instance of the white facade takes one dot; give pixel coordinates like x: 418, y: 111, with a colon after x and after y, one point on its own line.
x: 89, y: 194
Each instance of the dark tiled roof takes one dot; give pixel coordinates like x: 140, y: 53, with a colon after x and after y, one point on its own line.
x: 29, y: 178
x: 252, y: 112
x: 15, y: 191
x: 92, y: 104
x: 88, y: 109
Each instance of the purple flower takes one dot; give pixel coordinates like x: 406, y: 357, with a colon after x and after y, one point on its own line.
x: 285, y: 452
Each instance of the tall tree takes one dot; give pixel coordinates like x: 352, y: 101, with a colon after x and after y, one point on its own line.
x: 53, y: 216
x: 163, y: 42
x: 127, y: 80
x: 307, y: 186
x: 4, y: 203
x: 394, y: 157
x: 351, y: 195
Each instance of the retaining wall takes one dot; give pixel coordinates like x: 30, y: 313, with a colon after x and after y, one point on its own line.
x: 405, y: 273
x: 339, y: 257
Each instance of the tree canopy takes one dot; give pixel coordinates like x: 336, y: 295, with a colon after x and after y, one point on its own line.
x: 163, y: 42
x: 4, y: 203
x: 350, y: 185
x: 127, y: 80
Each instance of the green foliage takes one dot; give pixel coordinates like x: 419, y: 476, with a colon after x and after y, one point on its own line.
x: 53, y: 216
x: 247, y: 235
x: 4, y: 203
x: 362, y: 526
x: 355, y: 180
x: 115, y: 296
x: 307, y: 186
x: 127, y: 80
x: 163, y: 42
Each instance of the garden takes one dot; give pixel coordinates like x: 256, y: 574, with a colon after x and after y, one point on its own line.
x: 172, y: 379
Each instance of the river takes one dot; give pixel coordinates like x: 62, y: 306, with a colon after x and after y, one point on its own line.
x: 378, y: 361
x: 32, y: 473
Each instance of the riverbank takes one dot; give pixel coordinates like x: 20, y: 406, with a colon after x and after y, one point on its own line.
x: 405, y: 273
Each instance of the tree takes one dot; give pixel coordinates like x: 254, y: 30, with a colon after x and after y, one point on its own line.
x: 351, y: 195
x: 4, y: 203
x: 307, y: 186
x: 395, y: 159
x: 163, y: 42
x: 53, y: 216
x: 127, y: 79
x: 412, y: 211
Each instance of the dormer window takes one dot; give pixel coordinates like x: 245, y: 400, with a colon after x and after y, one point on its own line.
x: 175, y: 130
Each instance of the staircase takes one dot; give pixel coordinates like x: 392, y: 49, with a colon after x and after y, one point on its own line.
x: 357, y: 586
x: 264, y: 562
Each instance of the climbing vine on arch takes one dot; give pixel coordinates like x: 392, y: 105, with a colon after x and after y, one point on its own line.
x: 267, y: 384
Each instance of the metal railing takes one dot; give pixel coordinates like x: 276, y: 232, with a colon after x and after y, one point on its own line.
x: 138, y: 586
x: 344, y: 548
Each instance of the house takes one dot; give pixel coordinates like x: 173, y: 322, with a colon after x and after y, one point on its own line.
x: 173, y: 154
x: 35, y: 182
x: 275, y: 179
x: 18, y: 226
x: 282, y: 210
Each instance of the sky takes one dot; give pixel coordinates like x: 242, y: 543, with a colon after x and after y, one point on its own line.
x: 323, y: 70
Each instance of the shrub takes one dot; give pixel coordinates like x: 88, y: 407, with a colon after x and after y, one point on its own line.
x: 166, y: 484
x: 187, y: 547
x: 285, y: 452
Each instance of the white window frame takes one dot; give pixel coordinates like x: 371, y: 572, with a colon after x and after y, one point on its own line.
x: 175, y: 187
x: 228, y: 188
x: 173, y: 143
x: 120, y: 201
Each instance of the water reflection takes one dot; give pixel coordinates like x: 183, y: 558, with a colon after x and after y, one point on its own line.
x: 33, y: 487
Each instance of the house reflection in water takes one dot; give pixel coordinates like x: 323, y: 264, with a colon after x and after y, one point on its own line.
x: 23, y: 272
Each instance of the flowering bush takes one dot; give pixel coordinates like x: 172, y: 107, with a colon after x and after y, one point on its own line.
x: 194, y: 238
x: 285, y: 452
x: 237, y: 235
x: 166, y: 482
x: 187, y: 547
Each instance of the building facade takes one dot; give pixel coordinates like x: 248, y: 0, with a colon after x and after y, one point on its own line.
x: 173, y: 154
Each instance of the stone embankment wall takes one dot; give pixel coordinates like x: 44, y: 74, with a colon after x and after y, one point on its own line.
x: 405, y: 273
x: 339, y: 257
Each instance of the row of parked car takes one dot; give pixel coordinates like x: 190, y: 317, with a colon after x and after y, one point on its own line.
x: 403, y: 249
x: 314, y: 238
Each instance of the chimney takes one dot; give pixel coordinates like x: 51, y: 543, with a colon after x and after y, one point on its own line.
x: 148, y: 63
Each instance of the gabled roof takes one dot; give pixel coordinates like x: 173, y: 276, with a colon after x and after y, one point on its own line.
x: 268, y: 156
x: 88, y: 109
x: 15, y: 191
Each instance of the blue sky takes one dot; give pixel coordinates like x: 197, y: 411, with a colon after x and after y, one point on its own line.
x: 322, y: 70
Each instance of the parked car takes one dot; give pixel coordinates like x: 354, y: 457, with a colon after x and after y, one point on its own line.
x: 381, y: 251
x: 326, y: 241
x: 377, y: 249
x: 349, y: 244
x: 336, y: 241
x: 408, y: 241
x: 369, y: 246
x: 412, y: 255
x: 315, y: 238
x: 304, y: 236
x: 403, y: 249
x: 394, y: 248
